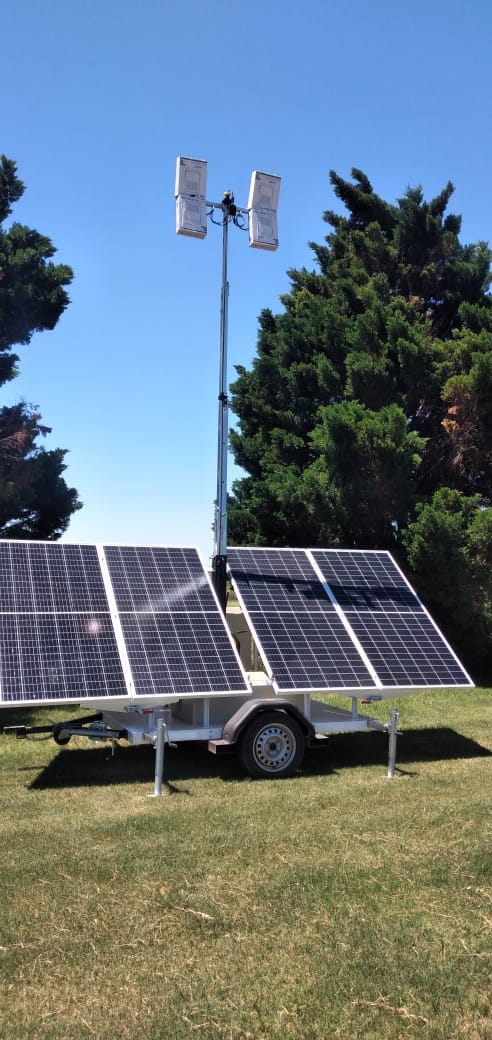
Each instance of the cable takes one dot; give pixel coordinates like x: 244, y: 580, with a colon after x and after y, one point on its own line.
x: 239, y: 222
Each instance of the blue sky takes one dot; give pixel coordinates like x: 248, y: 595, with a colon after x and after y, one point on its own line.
x: 98, y: 99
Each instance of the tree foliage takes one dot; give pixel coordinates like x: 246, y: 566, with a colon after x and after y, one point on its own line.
x: 35, y: 501
x: 371, y: 390
x: 449, y: 550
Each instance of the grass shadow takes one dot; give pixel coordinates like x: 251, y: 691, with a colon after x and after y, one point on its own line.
x: 90, y: 767
x: 355, y: 750
x: 86, y: 767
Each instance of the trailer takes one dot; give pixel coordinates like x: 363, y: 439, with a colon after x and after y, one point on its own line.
x: 269, y: 734
x: 136, y: 637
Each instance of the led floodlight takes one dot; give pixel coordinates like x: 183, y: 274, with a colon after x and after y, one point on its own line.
x: 191, y: 177
x: 264, y: 191
x: 263, y: 233
x: 191, y: 216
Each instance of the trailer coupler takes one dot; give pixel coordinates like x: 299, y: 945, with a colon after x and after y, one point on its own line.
x: 90, y: 726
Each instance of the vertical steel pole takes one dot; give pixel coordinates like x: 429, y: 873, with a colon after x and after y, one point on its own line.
x: 393, y: 729
x: 220, y: 527
x: 161, y: 738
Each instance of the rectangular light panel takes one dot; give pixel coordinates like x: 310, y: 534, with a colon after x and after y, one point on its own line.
x: 191, y: 176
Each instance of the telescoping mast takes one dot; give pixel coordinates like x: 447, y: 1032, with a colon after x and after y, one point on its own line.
x: 259, y: 218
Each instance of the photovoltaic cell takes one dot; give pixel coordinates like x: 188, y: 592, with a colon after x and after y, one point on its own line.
x: 58, y: 657
x: 158, y: 579
x: 50, y: 577
x: 392, y: 626
x: 309, y: 653
x: 172, y: 654
x: 278, y: 580
x: 406, y: 649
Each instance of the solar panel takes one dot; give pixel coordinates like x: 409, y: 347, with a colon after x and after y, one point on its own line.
x: 57, y: 640
x: 302, y: 641
x: 174, y: 633
x: 158, y: 579
x: 386, y: 616
x: 329, y: 619
x: 82, y: 622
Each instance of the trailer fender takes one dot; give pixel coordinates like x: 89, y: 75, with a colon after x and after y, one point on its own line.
x: 250, y: 709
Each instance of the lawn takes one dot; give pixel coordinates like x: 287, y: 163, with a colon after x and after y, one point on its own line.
x: 336, y: 905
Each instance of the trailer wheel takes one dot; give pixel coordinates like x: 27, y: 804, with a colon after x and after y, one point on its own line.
x: 272, y: 746
x: 57, y: 731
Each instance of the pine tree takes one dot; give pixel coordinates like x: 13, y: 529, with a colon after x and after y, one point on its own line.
x: 35, y: 501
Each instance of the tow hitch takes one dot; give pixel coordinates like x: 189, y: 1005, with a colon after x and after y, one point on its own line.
x: 90, y: 726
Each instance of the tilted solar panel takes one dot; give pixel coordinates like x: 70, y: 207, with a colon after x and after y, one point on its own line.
x: 302, y: 640
x: 406, y: 650
x: 57, y: 640
x: 158, y: 579
x: 386, y: 616
x: 81, y: 622
x: 174, y: 633
x: 329, y: 619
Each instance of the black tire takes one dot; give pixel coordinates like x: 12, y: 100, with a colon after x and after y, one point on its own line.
x: 61, y: 741
x: 272, y: 746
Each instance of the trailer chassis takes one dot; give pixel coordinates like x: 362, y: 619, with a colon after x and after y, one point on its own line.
x: 270, y: 734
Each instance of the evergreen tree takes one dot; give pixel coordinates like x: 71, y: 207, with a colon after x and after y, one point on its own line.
x: 449, y: 551
x: 371, y: 390
x: 35, y: 501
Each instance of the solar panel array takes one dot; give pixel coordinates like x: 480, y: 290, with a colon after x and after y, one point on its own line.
x: 327, y: 619
x: 87, y: 621
x: 80, y: 622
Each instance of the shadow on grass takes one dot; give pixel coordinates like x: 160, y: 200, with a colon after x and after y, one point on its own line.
x: 85, y: 767
x: 89, y: 766
x: 355, y: 750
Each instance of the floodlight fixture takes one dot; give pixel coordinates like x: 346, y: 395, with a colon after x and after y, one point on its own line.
x: 263, y: 230
x: 191, y: 177
x: 264, y: 190
x: 190, y: 191
x: 260, y: 218
x: 191, y: 216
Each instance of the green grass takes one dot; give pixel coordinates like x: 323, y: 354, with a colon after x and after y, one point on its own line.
x: 333, y: 906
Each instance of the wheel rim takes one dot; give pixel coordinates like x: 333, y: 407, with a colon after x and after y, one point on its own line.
x: 274, y: 748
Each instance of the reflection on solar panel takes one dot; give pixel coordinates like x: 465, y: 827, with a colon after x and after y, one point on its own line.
x: 312, y: 611
x: 365, y: 580
x: 175, y: 636
x: 83, y: 621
